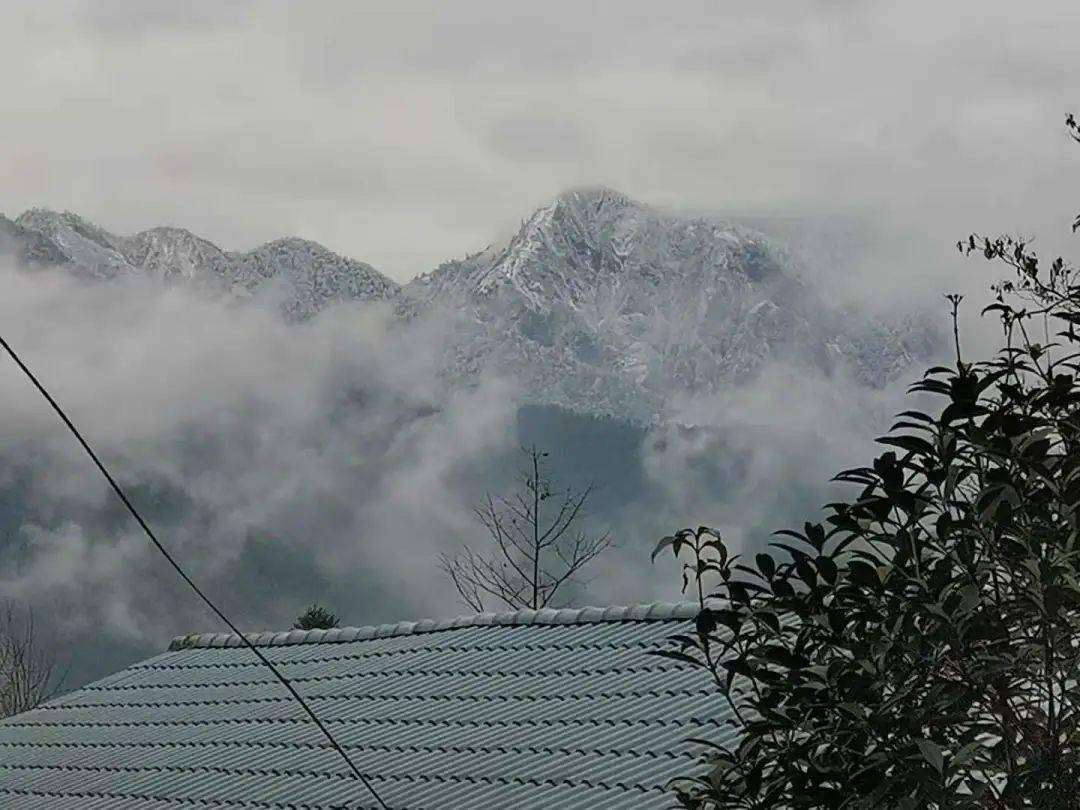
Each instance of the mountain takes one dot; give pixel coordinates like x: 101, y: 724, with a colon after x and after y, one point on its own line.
x: 91, y: 251
x: 28, y: 247
x: 602, y: 305
x: 313, y: 277
x: 598, y: 304
x: 302, y: 278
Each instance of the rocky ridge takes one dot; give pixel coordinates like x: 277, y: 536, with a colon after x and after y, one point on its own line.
x: 598, y: 304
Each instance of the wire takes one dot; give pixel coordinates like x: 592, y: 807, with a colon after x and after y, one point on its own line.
x: 183, y: 575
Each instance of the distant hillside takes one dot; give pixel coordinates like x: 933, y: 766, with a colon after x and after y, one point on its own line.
x: 302, y: 278
x: 599, y: 304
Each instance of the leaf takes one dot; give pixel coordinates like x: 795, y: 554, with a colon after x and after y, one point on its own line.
x: 863, y: 574
x: 932, y: 754
x: 738, y: 666
x: 769, y: 618
x: 815, y: 535
x: 671, y: 540
x: 705, y: 622
x: 807, y: 572
x: 782, y: 588
x: 753, y: 779
x: 969, y: 597
x: 964, y: 755
x: 827, y: 568
x: 913, y: 444
x: 766, y: 564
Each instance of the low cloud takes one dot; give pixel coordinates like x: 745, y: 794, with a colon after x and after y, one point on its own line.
x: 402, y: 133
x: 281, y: 464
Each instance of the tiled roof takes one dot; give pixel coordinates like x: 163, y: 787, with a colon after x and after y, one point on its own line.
x: 553, y: 709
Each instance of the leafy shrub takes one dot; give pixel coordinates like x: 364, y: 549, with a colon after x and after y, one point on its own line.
x: 920, y: 648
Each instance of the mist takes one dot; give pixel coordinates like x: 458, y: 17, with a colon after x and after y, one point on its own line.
x: 281, y: 464
x: 326, y: 461
x: 287, y: 463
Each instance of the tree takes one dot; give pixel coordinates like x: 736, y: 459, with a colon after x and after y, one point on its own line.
x: 28, y: 674
x: 536, y: 546
x: 920, y: 649
x: 315, y: 617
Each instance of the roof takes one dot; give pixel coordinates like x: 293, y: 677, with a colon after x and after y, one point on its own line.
x: 550, y: 709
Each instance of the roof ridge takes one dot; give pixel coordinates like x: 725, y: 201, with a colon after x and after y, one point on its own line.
x: 644, y: 612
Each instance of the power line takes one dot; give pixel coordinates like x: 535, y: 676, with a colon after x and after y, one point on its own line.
x: 183, y: 574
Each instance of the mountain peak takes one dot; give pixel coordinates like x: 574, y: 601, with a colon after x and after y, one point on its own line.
x: 93, y: 250
x: 315, y: 276
x: 601, y: 304
x: 28, y: 247
x: 594, y: 195
x: 168, y: 253
x: 52, y: 222
x: 293, y: 243
x: 306, y: 276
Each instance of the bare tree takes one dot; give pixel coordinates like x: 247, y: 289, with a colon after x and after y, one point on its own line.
x: 28, y: 675
x: 536, y: 546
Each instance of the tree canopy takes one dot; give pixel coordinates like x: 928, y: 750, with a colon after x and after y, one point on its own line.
x: 316, y: 617
x: 920, y: 647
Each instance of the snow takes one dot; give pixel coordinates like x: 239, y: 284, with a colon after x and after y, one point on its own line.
x: 598, y: 304
x: 302, y: 277
x: 602, y: 305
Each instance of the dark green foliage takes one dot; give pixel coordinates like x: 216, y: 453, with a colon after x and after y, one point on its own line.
x: 920, y: 648
x: 316, y: 617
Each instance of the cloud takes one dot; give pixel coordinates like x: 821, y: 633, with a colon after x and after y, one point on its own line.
x: 747, y: 461
x: 284, y: 464
x: 281, y: 464
x: 403, y: 133
x: 325, y: 461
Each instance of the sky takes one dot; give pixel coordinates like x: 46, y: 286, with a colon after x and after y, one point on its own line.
x: 404, y: 134
x: 319, y: 462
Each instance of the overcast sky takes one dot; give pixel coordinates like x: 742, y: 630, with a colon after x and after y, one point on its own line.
x: 404, y: 134
x: 874, y: 135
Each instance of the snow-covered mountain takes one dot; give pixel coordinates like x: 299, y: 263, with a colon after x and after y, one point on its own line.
x: 28, y: 247
x: 302, y: 278
x: 603, y: 305
x: 599, y: 304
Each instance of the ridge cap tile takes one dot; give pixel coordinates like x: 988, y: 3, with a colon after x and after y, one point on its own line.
x: 652, y: 611
x: 686, y: 610
x: 524, y: 616
x: 614, y: 613
x: 591, y: 615
x: 546, y: 615
x: 661, y: 610
x: 566, y: 616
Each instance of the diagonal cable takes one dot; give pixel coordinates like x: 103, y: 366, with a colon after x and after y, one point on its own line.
x: 191, y: 583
